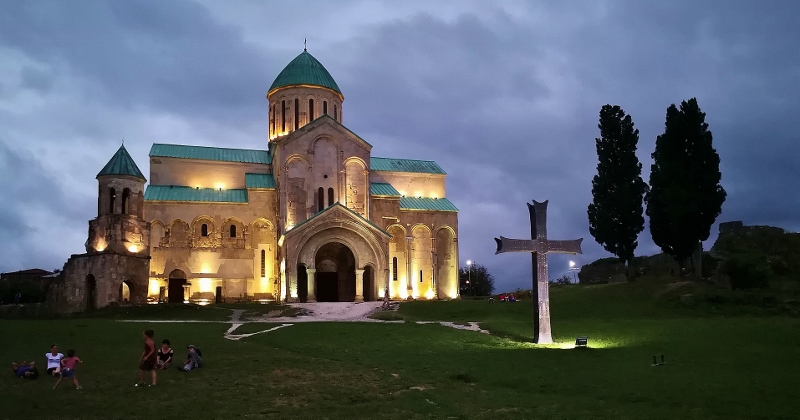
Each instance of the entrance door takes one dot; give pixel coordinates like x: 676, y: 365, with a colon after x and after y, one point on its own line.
x: 302, y: 283
x: 327, y: 287
x: 175, y: 290
x: 368, y: 285
x: 177, y: 279
x: 91, y: 292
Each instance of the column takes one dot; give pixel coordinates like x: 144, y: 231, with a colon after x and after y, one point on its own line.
x: 186, y: 294
x: 387, y: 278
x: 312, y: 293
x: 409, y: 265
x: 434, y: 269
x: 359, y: 285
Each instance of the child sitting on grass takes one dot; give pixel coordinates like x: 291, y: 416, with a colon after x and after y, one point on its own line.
x: 68, y: 365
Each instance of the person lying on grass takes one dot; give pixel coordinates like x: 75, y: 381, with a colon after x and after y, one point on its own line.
x: 25, y: 370
x: 165, y: 354
x: 54, y: 361
x: 68, y: 365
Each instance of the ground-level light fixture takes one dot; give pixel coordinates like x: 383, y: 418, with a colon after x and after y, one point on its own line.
x: 581, y: 342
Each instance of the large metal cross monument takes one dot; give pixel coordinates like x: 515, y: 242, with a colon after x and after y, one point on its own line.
x: 539, y: 246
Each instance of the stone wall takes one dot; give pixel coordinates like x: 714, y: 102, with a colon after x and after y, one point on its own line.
x: 413, y: 184
x: 282, y: 108
x: 246, y: 265
x: 96, y: 280
x: 202, y: 173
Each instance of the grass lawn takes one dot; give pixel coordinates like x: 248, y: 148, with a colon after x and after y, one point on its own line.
x: 721, y: 363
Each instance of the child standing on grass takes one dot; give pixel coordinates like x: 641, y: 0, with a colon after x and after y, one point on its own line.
x: 68, y: 365
x: 147, y: 362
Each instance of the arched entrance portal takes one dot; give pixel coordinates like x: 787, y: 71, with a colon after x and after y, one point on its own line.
x: 335, y: 276
x: 91, y: 292
x: 177, y: 279
x: 125, y: 292
x: 368, y: 279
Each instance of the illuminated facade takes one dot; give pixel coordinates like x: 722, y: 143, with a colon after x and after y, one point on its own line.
x: 312, y: 216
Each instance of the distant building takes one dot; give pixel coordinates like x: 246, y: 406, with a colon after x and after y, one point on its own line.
x: 312, y: 216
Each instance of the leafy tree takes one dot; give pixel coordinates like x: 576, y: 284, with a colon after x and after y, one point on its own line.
x: 685, y: 194
x: 475, y: 280
x: 615, y: 214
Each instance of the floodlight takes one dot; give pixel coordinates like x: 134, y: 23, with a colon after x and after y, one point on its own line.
x: 581, y: 342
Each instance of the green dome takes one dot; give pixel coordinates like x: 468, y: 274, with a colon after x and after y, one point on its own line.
x: 305, y: 70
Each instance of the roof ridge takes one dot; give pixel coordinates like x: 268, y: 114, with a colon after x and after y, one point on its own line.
x: 418, y: 160
x: 210, y: 147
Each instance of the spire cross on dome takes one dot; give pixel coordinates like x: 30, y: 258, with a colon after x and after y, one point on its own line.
x: 304, y: 44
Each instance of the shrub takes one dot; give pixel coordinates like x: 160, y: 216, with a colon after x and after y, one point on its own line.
x: 747, y: 271
x: 561, y: 281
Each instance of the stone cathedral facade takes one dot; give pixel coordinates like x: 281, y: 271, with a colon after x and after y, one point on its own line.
x: 309, y: 216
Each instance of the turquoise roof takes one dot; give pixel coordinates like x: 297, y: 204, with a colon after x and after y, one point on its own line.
x: 200, y: 195
x: 304, y: 70
x: 122, y: 164
x: 259, y: 181
x: 381, y: 188
x: 211, y: 153
x: 436, y: 204
x: 405, y: 165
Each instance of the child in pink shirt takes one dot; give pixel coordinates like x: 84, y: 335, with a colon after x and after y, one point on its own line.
x: 68, y: 368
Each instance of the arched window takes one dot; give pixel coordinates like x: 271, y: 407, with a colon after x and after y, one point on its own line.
x: 126, y: 194
x: 335, y: 116
x: 320, y: 199
x: 330, y: 196
x: 394, y: 268
x: 204, y: 230
x: 233, y: 231
x: 420, y: 276
x: 325, y: 107
x: 310, y: 110
x: 263, y: 263
x: 283, y: 116
x: 112, y: 197
x: 296, y: 113
x: 272, y: 121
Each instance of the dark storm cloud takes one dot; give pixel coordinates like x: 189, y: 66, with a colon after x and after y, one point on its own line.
x: 504, y: 96
x: 165, y: 56
x: 29, y: 187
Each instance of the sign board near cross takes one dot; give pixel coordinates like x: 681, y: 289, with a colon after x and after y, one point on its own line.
x: 539, y: 246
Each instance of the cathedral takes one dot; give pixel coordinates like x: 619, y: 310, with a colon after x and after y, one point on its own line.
x: 310, y: 215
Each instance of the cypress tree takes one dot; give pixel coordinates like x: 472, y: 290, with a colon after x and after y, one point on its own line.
x: 615, y: 214
x: 685, y: 194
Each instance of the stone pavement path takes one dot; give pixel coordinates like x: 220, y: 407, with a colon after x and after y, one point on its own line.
x: 315, y: 312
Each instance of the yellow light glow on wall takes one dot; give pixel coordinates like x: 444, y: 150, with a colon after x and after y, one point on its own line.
x: 101, y: 245
x: 429, y: 294
x: 219, y: 185
x: 403, y: 293
x: 418, y: 194
x: 205, y: 285
x: 402, y: 192
x: 133, y: 248
x: 153, y: 287
x: 280, y: 240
